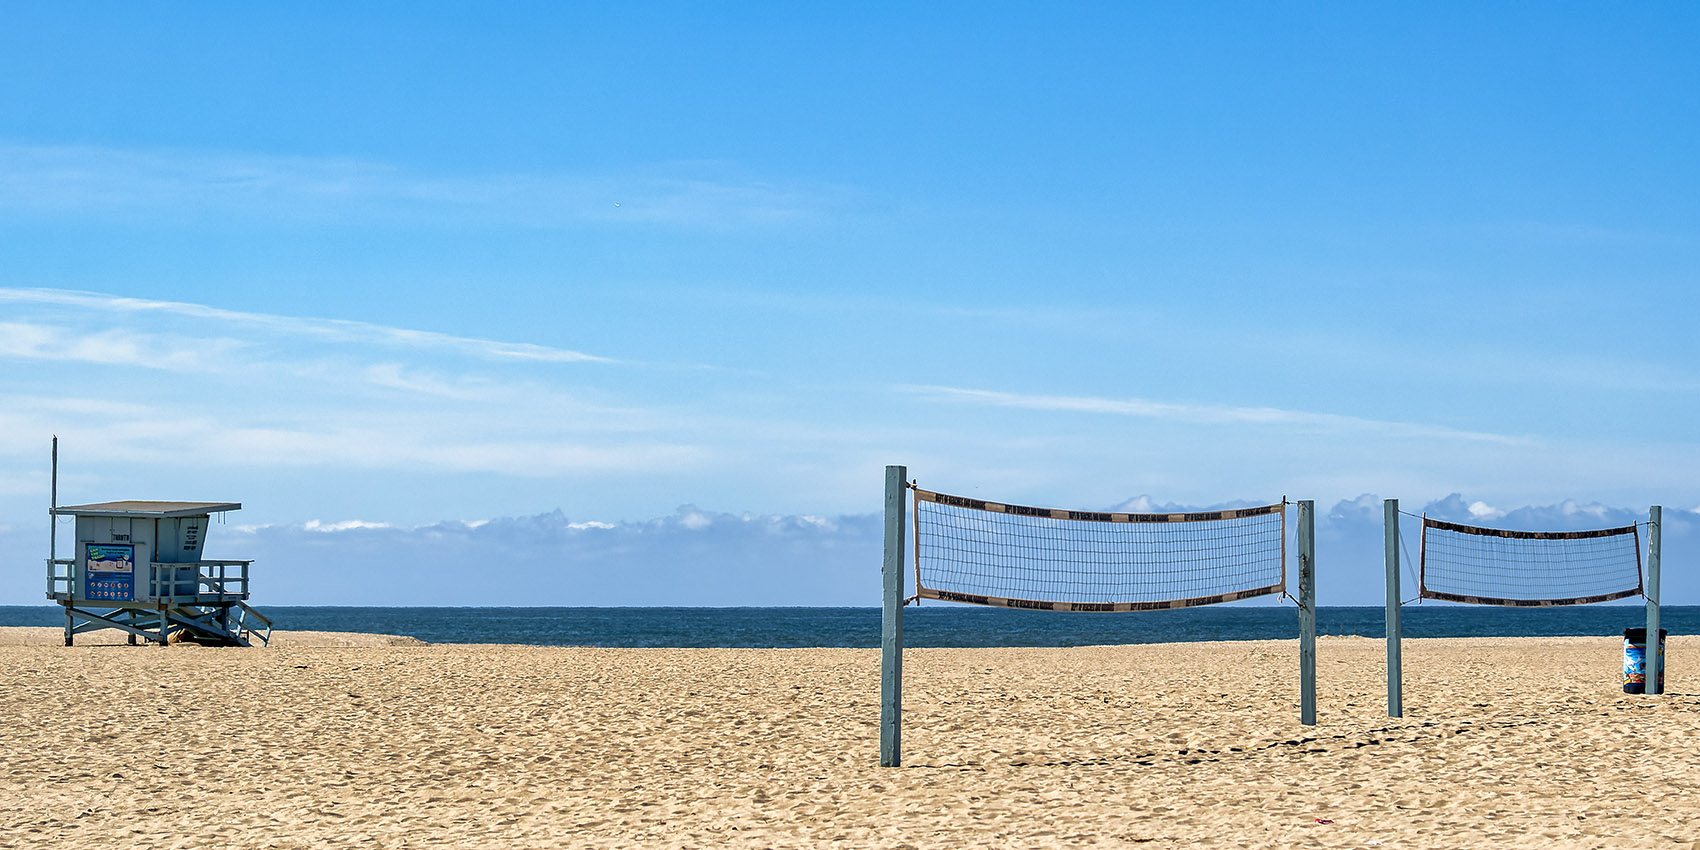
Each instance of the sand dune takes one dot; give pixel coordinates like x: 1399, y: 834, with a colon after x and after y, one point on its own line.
x: 1505, y: 743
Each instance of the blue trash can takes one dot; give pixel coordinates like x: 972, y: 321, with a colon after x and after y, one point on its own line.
x: 1635, y: 661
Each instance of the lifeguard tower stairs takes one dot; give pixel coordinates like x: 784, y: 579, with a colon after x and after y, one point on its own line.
x: 138, y: 568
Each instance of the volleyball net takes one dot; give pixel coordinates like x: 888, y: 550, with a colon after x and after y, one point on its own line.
x: 1016, y: 556
x: 1493, y: 566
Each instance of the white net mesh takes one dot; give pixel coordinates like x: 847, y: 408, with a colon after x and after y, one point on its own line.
x: 988, y: 553
x: 1491, y: 566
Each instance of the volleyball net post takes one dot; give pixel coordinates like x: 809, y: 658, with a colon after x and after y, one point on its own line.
x: 1395, y: 661
x: 1307, y: 612
x: 891, y: 621
x: 1655, y: 647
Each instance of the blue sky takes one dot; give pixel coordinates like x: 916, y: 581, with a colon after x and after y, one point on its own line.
x: 394, y: 266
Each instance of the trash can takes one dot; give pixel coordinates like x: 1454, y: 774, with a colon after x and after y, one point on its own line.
x: 1635, y: 661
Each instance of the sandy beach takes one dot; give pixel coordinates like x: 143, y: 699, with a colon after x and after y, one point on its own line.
x: 370, y: 741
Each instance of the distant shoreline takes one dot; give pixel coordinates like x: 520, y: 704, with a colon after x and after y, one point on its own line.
x: 930, y: 625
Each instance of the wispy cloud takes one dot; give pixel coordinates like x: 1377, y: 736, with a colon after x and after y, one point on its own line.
x: 454, y: 439
x: 275, y: 391
x: 1201, y: 414
x: 59, y: 179
x: 342, y: 330
x: 109, y: 347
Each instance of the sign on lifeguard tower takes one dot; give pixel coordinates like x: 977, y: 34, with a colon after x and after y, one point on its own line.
x: 138, y: 568
x: 111, y: 571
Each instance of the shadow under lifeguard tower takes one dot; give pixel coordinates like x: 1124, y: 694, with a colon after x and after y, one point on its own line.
x: 138, y: 568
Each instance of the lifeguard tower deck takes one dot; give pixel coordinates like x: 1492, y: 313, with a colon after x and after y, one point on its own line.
x: 138, y: 568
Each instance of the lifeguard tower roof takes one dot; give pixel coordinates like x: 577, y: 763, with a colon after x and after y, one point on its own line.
x: 150, y: 510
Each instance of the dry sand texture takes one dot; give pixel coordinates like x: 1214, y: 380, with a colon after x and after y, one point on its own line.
x: 1506, y: 743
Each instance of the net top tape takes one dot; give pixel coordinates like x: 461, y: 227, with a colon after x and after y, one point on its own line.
x: 1526, y: 535
x: 1092, y: 516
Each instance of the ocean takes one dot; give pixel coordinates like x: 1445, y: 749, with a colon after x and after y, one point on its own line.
x: 930, y: 625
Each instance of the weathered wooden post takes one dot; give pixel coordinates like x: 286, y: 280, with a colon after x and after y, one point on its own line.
x: 1395, y: 668
x: 1307, y: 613
x: 891, y: 632
x: 1655, y: 655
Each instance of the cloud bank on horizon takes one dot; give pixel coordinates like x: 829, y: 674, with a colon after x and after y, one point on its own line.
x: 693, y: 557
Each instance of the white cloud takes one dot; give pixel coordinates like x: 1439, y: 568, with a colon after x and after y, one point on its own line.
x: 47, y: 180
x: 1148, y: 505
x: 1566, y: 515
x: 397, y: 376
x: 443, y: 440
x: 340, y: 330
x: 694, y: 520
x: 1136, y: 505
x: 1596, y: 511
x: 280, y: 397
x: 345, y: 525
x: 365, y: 441
x: 1483, y: 510
x: 111, y: 347
x: 1199, y: 414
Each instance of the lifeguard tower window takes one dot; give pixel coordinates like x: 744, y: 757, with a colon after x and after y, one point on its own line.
x: 137, y: 567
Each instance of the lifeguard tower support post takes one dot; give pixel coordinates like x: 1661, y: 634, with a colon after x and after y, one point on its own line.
x: 138, y: 568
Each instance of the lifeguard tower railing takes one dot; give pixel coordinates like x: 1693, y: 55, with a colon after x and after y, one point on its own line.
x: 198, y: 595
x: 197, y: 583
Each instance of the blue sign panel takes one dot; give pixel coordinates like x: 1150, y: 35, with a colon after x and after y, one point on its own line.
x: 111, y: 572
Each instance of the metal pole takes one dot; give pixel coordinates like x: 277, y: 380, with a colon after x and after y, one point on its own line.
x: 52, y: 517
x: 1655, y: 658
x: 891, y: 631
x: 1395, y: 664
x: 1307, y: 612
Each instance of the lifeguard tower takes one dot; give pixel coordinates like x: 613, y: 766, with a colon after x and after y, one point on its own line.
x: 138, y: 568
